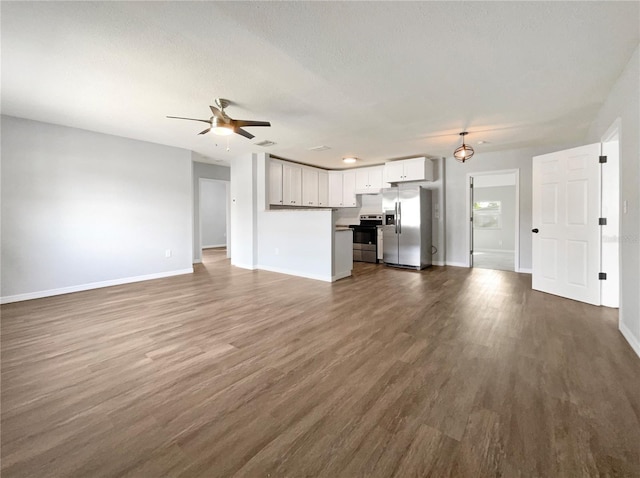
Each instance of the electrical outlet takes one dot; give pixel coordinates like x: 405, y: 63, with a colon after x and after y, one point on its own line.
x: 167, y: 253
x: 625, y: 207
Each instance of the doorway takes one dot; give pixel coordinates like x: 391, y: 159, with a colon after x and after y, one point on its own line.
x: 213, y: 217
x: 494, y: 224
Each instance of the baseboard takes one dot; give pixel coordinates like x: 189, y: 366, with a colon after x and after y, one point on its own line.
x: 457, y: 264
x: 633, y: 341
x: 197, y: 261
x: 279, y: 270
x: 251, y: 267
x: 341, y: 275
x: 92, y: 285
x: 438, y: 263
x: 214, y: 246
x: 522, y: 270
x: 494, y: 250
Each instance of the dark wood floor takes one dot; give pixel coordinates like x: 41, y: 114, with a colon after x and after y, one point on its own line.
x: 445, y: 372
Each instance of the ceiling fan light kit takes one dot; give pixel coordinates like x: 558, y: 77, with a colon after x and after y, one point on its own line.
x: 221, y: 124
x: 464, y: 152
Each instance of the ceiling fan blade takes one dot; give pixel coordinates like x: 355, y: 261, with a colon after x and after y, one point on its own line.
x: 190, y: 119
x: 205, y: 131
x: 242, y: 123
x: 217, y: 113
x: 244, y: 133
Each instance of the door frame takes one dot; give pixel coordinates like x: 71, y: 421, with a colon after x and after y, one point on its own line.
x: 227, y: 213
x: 469, y: 238
x: 610, y: 202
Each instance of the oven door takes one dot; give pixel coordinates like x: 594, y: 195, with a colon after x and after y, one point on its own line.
x: 364, y: 235
x: 365, y: 244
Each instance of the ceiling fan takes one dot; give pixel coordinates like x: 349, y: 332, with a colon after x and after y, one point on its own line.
x: 220, y: 123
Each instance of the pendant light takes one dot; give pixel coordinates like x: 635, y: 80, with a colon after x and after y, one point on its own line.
x: 464, y: 152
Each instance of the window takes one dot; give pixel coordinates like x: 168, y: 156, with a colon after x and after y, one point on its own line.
x: 487, y: 215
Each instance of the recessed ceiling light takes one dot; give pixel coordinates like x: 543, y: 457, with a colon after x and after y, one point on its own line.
x: 349, y: 159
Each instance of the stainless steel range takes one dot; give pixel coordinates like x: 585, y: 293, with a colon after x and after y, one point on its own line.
x: 365, y: 238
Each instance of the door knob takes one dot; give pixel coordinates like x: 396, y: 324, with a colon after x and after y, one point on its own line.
x: 535, y: 230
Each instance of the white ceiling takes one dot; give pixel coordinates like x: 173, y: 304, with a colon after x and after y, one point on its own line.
x: 377, y: 80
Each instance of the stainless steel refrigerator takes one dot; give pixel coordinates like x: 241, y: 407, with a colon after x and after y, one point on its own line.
x: 406, y: 238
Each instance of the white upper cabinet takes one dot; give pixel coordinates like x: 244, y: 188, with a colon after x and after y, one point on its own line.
x: 369, y: 180
x: 349, y: 188
x: 291, y: 185
x: 309, y: 187
x: 323, y: 189
x: 335, y: 189
x: 414, y: 169
x: 275, y: 182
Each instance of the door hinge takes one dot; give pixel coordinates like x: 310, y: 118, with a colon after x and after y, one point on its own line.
x: 602, y: 221
x: 602, y: 159
x: 602, y: 276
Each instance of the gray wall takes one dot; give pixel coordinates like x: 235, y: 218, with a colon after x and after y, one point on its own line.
x: 207, y: 171
x: 623, y: 102
x: 457, y: 231
x: 497, y: 239
x: 213, y: 213
x: 83, y: 209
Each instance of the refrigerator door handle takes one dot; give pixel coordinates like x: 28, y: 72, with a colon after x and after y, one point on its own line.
x: 399, y: 221
x: 395, y: 222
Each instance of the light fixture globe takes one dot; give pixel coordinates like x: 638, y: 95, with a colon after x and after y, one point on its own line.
x: 464, y: 152
x: 220, y: 127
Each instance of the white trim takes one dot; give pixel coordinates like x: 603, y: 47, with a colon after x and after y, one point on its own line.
x: 458, y: 264
x: 524, y: 270
x: 251, y: 267
x: 197, y: 261
x: 438, y: 263
x: 322, y: 277
x: 495, y: 250
x: 626, y: 333
x: 211, y: 246
x: 516, y: 171
x: 341, y: 275
x: 91, y: 285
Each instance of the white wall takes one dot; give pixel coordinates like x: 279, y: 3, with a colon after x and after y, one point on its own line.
x: 208, y: 171
x: 244, y: 239
x: 623, y: 102
x: 83, y: 210
x: 502, y: 239
x: 457, y: 231
x: 213, y: 213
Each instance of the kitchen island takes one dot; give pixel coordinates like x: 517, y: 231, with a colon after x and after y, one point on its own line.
x: 304, y: 243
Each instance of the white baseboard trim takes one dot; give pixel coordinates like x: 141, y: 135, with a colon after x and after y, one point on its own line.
x: 457, y: 264
x: 525, y: 271
x: 438, y: 263
x: 92, y: 285
x: 279, y: 270
x: 341, y: 275
x: 633, y: 341
x: 197, y: 261
x: 494, y: 250
x: 244, y: 266
x: 213, y: 246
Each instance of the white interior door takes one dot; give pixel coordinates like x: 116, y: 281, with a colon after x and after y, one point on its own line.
x: 566, y: 234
